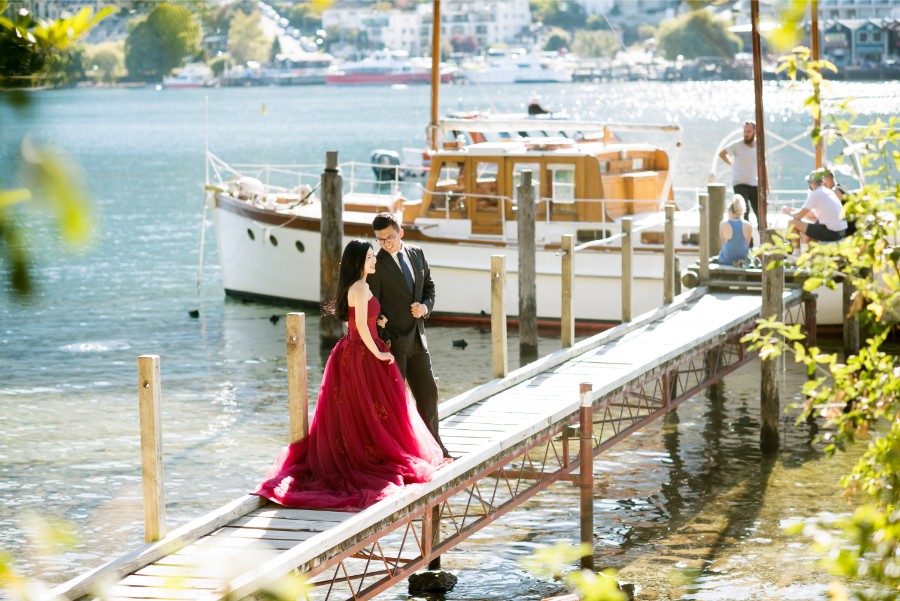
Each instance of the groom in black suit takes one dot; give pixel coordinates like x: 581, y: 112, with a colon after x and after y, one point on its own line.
x: 403, y: 286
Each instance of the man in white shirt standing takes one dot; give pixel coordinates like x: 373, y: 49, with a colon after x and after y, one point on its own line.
x: 822, y: 204
x: 742, y: 157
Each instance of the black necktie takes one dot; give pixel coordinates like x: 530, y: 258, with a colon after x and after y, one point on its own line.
x: 407, y: 274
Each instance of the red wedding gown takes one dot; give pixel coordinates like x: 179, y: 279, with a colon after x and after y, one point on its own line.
x: 366, y: 439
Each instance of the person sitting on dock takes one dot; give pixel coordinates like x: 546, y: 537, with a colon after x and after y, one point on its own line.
x: 822, y: 204
x: 366, y: 439
x: 736, y: 233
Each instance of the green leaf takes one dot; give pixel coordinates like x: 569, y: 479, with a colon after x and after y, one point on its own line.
x: 14, y: 196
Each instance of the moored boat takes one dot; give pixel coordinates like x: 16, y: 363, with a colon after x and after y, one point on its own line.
x: 386, y: 67
x: 465, y: 212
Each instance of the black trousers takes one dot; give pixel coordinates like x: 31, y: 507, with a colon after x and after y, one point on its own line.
x: 751, y: 195
x: 415, y: 367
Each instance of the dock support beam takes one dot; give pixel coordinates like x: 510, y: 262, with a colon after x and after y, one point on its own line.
x: 627, y: 256
x: 772, y: 306
x: 851, y: 323
x: 586, y: 469
x: 499, y: 354
x: 298, y: 399
x: 669, y: 256
x: 151, y: 448
x: 332, y: 228
x: 567, y: 315
x: 703, y: 206
x: 528, y: 336
x: 715, y: 215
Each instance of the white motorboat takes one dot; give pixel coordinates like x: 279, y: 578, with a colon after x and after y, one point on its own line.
x: 516, y: 66
x: 466, y: 211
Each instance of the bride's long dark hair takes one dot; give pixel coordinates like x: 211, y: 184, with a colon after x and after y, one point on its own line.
x: 353, y: 261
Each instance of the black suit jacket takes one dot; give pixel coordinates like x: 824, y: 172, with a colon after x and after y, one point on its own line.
x: 395, y: 297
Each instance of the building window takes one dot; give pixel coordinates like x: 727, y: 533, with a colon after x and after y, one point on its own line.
x: 876, y: 37
x: 863, y: 37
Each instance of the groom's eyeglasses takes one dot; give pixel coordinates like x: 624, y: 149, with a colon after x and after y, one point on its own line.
x: 387, y: 239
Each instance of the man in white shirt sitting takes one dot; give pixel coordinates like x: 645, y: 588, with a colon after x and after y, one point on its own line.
x: 822, y: 204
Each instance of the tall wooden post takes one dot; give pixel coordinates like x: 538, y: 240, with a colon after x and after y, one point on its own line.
x: 567, y: 315
x: 762, y: 174
x: 528, y: 337
x: 705, y: 229
x: 669, y: 256
x: 851, y: 322
x: 627, y: 278
x: 772, y: 306
x: 298, y: 396
x: 499, y: 354
x: 149, y: 394
x: 586, y: 469
x: 332, y: 235
x: 809, y: 310
x: 814, y: 39
x: 715, y: 215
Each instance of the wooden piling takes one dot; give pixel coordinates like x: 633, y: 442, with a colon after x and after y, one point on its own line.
x: 716, y: 213
x: 298, y: 397
x: 809, y: 312
x: 149, y: 394
x: 851, y: 322
x: 772, y: 306
x: 567, y: 315
x: 705, y: 229
x: 669, y: 256
x: 499, y: 354
x: 332, y: 241
x: 434, y: 517
x: 528, y: 335
x: 627, y: 258
x: 586, y: 469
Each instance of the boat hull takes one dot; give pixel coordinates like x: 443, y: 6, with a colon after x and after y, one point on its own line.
x: 265, y: 257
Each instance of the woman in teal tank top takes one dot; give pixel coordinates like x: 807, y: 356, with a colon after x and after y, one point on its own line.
x: 736, y: 233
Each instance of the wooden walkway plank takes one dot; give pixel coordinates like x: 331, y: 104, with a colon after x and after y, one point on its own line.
x: 481, y: 426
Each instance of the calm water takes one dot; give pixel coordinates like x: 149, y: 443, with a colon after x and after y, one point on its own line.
x: 682, y: 499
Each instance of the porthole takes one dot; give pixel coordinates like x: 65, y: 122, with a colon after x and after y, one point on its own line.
x: 273, y: 240
x: 299, y: 246
x: 251, y: 234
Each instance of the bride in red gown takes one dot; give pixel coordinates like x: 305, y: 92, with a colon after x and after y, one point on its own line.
x: 366, y: 439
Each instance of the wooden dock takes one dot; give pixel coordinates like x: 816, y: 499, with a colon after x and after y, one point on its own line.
x: 514, y: 436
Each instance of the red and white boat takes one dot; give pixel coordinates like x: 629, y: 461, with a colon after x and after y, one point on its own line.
x: 386, y: 67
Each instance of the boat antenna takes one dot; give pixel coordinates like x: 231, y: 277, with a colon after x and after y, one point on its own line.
x: 435, y: 72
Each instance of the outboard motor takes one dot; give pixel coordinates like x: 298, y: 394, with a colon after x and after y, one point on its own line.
x: 386, y: 165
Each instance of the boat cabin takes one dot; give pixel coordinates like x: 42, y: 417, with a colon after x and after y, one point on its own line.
x: 577, y: 182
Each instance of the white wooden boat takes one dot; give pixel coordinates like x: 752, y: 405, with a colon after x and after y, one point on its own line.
x: 466, y: 211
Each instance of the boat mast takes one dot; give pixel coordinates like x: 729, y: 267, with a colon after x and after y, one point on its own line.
x: 762, y: 176
x: 435, y: 73
x: 814, y: 25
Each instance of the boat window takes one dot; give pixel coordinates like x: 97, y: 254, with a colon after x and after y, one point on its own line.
x: 604, y: 166
x: 562, y: 182
x: 486, y: 186
x: 637, y: 164
x: 451, y: 185
x: 535, y: 169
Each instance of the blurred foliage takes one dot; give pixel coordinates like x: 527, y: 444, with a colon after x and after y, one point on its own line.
x: 595, y: 44
x: 37, y: 52
x: 106, y: 60
x: 246, y: 40
x: 34, y: 52
x: 161, y: 42
x: 696, y: 34
x: 858, y: 398
x: 559, y: 13
x: 557, y: 39
x: 552, y: 563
